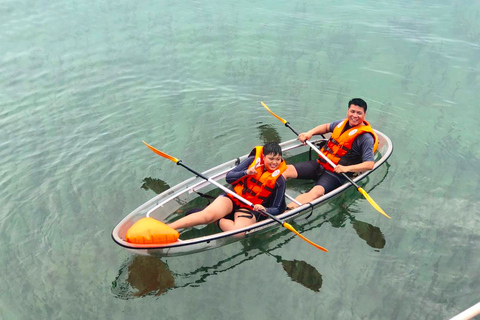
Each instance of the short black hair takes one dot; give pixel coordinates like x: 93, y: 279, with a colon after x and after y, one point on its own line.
x: 358, y: 102
x: 272, y: 147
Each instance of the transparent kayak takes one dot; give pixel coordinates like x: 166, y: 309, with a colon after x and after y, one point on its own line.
x: 172, y: 204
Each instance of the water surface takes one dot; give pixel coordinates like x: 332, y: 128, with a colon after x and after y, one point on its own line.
x: 82, y: 83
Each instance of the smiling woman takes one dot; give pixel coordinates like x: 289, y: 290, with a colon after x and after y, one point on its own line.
x: 259, y: 180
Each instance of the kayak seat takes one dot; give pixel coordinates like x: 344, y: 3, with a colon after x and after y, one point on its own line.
x: 151, y: 231
x: 319, y: 144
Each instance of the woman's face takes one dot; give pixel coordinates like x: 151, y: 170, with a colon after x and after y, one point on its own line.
x: 272, y: 161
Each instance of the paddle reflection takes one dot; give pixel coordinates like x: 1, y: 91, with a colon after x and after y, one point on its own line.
x: 142, y: 276
x: 298, y: 270
x: 156, y: 185
x: 301, y: 272
x: 372, y: 235
x: 342, y: 206
x: 268, y: 133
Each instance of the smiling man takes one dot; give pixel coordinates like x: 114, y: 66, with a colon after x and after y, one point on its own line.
x: 350, y: 147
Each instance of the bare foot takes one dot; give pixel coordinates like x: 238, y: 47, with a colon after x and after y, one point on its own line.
x: 291, y: 206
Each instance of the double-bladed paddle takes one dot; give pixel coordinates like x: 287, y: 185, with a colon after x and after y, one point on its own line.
x: 363, y: 192
x: 283, y: 223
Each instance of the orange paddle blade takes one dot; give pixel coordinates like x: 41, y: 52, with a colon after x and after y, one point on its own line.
x: 289, y: 227
x: 160, y: 153
x: 151, y: 231
x: 273, y: 114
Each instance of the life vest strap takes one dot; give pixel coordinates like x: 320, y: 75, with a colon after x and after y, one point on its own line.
x: 247, y: 190
x: 335, y: 142
x: 258, y: 183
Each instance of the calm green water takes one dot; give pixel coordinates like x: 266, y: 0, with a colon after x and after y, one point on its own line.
x: 82, y: 83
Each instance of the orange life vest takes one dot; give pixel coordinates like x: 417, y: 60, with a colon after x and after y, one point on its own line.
x: 258, y: 187
x: 339, y: 147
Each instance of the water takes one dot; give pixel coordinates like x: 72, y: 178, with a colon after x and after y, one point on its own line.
x: 83, y: 82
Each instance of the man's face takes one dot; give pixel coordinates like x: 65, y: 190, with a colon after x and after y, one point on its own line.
x: 355, y: 115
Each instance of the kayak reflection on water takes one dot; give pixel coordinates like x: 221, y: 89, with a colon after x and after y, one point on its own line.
x: 142, y: 276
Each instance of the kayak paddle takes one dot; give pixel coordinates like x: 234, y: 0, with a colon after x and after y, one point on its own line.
x: 283, y: 223
x: 363, y: 192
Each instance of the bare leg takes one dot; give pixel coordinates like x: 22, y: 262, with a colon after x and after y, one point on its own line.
x: 219, y: 208
x: 240, y: 221
x: 290, y: 172
x: 311, y: 195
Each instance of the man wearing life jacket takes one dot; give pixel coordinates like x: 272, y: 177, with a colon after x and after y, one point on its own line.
x: 351, y: 148
x: 258, y: 179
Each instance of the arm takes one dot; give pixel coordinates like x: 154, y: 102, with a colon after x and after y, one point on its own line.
x: 361, y: 167
x: 321, y: 129
x: 276, y: 201
x: 239, y: 171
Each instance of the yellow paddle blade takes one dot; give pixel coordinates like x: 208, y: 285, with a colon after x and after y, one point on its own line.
x: 289, y: 227
x: 273, y: 114
x: 372, y: 202
x: 160, y: 153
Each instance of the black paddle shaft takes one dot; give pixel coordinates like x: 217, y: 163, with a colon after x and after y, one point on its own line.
x: 191, y: 170
x: 287, y: 124
x: 203, y: 177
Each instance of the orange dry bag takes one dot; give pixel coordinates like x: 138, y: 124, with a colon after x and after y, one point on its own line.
x: 151, y: 231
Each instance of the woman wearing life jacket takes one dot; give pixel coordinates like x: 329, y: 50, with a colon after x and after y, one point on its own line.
x: 258, y: 179
x: 351, y: 148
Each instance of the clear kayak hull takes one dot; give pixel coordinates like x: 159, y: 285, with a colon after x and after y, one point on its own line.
x: 174, y: 202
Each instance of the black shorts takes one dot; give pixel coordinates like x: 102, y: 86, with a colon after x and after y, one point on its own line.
x: 248, y: 213
x: 312, y: 170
